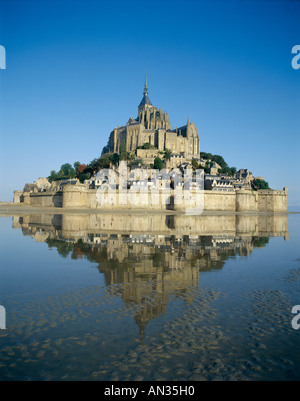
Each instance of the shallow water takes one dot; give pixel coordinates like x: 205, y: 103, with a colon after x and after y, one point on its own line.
x: 137, y: 297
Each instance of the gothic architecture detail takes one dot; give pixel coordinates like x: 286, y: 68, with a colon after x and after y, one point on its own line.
x: 152, y: 125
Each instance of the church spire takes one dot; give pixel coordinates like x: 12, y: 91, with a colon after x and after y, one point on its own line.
x: 145, y: 99
x: 146, y: 86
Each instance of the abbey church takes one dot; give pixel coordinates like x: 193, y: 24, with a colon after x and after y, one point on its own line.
x: 152, y: 126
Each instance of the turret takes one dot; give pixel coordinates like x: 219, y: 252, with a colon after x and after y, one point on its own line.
x: 188, y: 129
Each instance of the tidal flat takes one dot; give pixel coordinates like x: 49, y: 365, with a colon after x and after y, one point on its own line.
x: 111, y: 296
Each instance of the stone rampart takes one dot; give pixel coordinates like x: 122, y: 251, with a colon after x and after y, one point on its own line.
x: 80, y: 196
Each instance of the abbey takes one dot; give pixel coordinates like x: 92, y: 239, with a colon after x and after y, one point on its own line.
x: 152, y: 126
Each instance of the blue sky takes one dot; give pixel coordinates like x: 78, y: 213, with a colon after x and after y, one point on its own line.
x: 75, y: 70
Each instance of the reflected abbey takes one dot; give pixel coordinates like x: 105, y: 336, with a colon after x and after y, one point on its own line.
x: 146, y: 259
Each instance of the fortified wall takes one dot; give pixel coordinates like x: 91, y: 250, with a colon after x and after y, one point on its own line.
x: 81, y: 197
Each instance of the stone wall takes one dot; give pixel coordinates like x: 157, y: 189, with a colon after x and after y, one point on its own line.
x: 18, y: 196
x: 80, y: 196
x: 219, y: 200
x: 46, y: 199
x: 148, y: 155
x: 269, y: 200
x: 246, y: 201
x: 76, y: 196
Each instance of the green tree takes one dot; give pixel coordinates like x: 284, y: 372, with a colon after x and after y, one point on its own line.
x: 83, y: 177
x: 219, y: 159
x: 158, y: 163
x: 260, y: 184
x: 123, y: 152
x: 195, y: 165
x: 76, y: 165
x: 148, y: 145
x: 114, y: 158
x: 104, y: 161
x: 94, y: 164
x: 226, y: 170
x: 167, y: 153
x: 52, y: 176
x: 130, y: 155
x: 137, y: 161
x: 205, y: 155
x: 67, y: 169
x: 233, y: 170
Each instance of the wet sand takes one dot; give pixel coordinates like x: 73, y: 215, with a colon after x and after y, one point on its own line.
x: 8, y: 208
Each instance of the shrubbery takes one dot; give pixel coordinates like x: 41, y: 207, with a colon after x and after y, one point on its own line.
x: 260, y: 184
x: 225, y: 169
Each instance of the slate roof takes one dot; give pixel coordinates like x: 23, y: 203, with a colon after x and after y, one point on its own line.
x: 145, y: 100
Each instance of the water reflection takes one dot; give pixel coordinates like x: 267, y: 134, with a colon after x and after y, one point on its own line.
x: 149, y: 297
x: 148, y: 259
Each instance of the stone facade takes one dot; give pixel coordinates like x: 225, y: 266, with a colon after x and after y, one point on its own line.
x: 152, y: 125
x: 148, y: 155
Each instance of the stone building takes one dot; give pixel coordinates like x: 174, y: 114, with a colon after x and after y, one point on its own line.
x: 245, y: 174
x: 153, y: 126
x: 214, y: 168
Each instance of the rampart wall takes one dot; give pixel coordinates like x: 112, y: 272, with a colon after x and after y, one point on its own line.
x: 79, y: 196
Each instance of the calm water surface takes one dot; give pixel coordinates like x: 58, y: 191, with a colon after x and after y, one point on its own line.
x: 137, y: 297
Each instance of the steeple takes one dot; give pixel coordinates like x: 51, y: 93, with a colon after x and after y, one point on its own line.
x: 145, y: 99
x: 146, y: 86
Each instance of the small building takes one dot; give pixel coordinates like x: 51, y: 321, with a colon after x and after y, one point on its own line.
x: 245, y: 174
x: 174, y: 161
x: 30, y: 188
x: 214, y: 168
x: 218, y: 185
